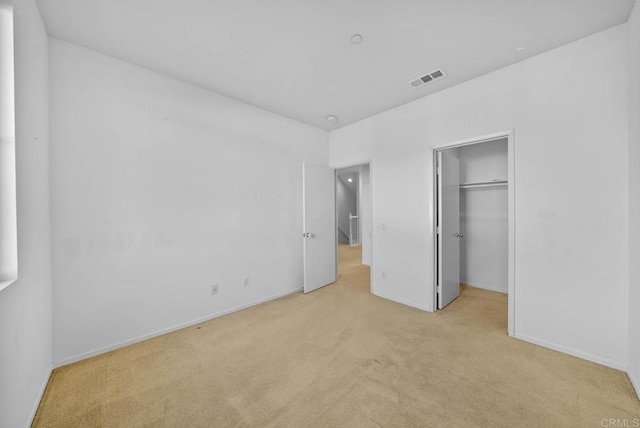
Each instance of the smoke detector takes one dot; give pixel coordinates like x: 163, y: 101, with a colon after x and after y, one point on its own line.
x: 428, y: 78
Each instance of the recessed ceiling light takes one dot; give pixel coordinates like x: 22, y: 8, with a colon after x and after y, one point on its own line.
x: 356, y: 39
x: 350, y: 180
x: 332, y: 118
x: 520, y: 48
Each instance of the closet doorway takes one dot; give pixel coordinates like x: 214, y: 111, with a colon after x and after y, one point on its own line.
x: 474, y: 219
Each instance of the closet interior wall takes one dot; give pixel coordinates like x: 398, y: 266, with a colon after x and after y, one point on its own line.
x: 484, y: 215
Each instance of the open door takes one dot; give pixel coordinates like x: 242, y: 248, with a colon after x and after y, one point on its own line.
x: 448, y: 228
x: 319, y: 226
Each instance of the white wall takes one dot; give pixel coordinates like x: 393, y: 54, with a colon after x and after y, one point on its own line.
x: 365, y: 214
x: 346, y: 203
x: 571, y: 181
x: 25, y: 305
x: 634, y: 196
x: 483, y: 162
x: 161, y: 189
x: 484, y: 216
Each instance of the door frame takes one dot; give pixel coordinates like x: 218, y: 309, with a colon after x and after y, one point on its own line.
x: 335, y: 175
x: 511, y: 213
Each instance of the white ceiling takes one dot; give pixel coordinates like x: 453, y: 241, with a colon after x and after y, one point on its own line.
x: 294, y: 57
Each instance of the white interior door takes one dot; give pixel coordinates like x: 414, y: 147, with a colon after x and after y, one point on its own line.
x: 449, y: 228
x: 319, y: 226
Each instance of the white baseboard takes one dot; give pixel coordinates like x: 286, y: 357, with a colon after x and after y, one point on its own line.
x: 635, y: 382
x: 484, y: 287
x: 43, y: 387
x: 570, y: 351
x: 156, y: 333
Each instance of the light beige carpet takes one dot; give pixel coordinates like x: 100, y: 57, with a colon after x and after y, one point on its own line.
x: 339, y: 357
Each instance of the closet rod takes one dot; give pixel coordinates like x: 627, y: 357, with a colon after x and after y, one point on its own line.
x: 496, y: 183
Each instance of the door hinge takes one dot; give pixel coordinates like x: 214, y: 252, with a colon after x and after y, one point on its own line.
x: 438, y: 288
x: 437, y: 230
x: 437, y: 170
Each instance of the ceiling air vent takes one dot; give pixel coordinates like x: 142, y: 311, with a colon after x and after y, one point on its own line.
x: 427, y: 78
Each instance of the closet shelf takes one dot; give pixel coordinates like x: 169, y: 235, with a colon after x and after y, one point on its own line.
x: 479, y: 184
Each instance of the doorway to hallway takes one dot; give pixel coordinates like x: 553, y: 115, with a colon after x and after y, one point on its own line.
x: 353, y: 223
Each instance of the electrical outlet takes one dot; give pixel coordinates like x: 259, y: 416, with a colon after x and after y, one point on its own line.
x: 214, y: 289
x: 245, y: 281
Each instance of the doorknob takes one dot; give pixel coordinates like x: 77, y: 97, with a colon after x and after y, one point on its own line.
x: 307, y: 235
x: 460, y: 235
